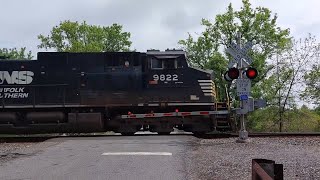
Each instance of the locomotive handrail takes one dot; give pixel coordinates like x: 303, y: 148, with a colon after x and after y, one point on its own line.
x: 173, y: 114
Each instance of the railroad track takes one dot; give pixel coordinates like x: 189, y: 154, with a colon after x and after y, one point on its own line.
x: 41, y: 138
x: 266, y: 134
x: 44, y: 137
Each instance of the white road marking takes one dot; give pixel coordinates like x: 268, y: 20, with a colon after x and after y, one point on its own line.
x: 137, y: 154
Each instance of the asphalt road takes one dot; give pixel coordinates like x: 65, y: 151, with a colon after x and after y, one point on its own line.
x: 110, y: 157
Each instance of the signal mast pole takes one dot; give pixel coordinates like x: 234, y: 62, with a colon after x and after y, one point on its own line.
x: 243, y: 134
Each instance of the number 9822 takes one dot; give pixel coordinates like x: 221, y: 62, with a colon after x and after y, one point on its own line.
x: 165, y: 77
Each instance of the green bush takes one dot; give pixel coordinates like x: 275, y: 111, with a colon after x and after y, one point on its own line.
x: 294, y: 120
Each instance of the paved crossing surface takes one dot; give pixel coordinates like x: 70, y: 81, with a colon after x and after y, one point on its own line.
x: 109, y: 157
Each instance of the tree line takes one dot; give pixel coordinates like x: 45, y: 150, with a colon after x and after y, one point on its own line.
x: 71, y: 36
x: 289, y: 68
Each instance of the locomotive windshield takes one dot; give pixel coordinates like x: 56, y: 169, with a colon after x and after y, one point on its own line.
x: 159, y: 63
x: 170, y: 63
x: 156, y: 63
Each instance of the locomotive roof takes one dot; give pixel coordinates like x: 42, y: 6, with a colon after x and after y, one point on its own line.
x: 156, y: 53
x: 166, y: 54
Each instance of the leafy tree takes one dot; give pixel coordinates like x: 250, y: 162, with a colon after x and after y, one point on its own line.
x: 296, y: 120
x: 302, y: 120
x: 218, y: 63
x: 284, y: 83
x: 257, y: 25
x: 15, y: 53
x: 312, y: 79
x: 202, y: 54
x: 75, y: 37
x: 317, y: 110
x: 262, y: 120
x: 296, y: 60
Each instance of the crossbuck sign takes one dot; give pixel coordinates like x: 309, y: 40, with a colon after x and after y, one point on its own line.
x: 239, y: 54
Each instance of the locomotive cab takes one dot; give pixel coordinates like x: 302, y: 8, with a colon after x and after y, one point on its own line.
x: 165, y: 68
x: 168, y: 73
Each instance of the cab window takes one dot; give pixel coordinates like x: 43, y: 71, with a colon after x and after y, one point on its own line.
x: 170, y: 64
x: 156, y: 63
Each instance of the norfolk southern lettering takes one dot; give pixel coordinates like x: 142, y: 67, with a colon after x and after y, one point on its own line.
x: 16, y: 77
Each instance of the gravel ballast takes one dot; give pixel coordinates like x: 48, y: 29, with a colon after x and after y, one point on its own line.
x: 226, y: 159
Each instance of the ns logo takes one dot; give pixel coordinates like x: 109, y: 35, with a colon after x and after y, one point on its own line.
x: 16, y: 77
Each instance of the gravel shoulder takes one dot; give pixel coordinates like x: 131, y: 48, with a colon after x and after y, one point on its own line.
x: 226, y: 159
x: 11, y: 151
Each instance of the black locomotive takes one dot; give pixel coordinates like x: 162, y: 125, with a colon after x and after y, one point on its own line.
x: 112, y: 91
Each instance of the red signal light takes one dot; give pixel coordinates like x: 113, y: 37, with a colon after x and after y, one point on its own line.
x: 251, y: 73
x: 231, y: 74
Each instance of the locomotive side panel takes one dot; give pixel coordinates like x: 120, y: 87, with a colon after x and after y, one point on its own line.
x: 53, y: 85
x: 86, y: 74
x: 18, y: 80
x: 35, y: 82
x: 107, y: 79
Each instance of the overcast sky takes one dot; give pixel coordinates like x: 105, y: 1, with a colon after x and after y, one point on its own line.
x: 153, y: 24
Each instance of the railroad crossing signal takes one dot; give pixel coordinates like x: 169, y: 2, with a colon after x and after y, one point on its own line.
x: 243, y: 73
